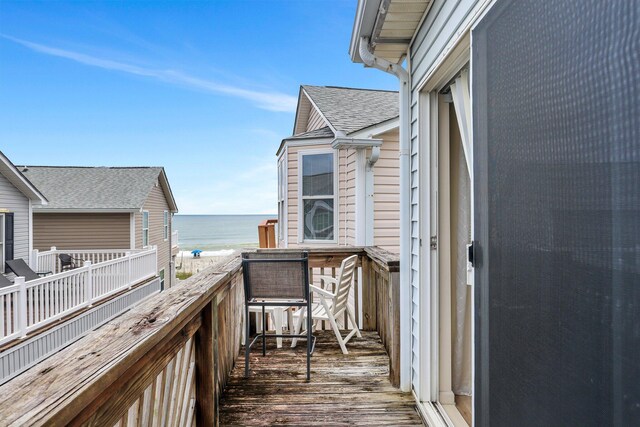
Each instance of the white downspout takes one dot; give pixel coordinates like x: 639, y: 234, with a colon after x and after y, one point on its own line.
x: 373, y: 61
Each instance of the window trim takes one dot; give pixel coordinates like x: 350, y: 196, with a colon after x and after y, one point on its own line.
x: 147, y: 229
x: 162, y: 276
x: 336, y: 214
x: 165, y: 225
x: 283, y: 198
x: 3, y: 245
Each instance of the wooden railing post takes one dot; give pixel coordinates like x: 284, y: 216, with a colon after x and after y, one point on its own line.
x: 89, y: 283
x: 394, y: 327
x: 206, y: 395
x: 22, y: 305
x: 368, y: 296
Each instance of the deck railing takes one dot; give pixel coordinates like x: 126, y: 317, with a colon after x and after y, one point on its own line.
x: 174, y: 239
x: 50, y: 261
x: 168, y: 359
x: 27, y: 306
x: 267, y: 233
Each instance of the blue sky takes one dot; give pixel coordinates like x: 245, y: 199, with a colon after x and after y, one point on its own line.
x: 205, y: 89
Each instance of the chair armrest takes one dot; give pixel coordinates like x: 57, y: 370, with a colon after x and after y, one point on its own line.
x: 322, y: 292
x: 325, y: 279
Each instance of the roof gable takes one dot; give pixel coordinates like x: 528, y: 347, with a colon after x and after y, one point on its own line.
x: 349, y: 110
x: 98, y: 188
x: 19, y: 181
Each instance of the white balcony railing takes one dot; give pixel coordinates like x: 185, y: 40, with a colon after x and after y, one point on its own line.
x: 174, y: 239
x: 26, y: 306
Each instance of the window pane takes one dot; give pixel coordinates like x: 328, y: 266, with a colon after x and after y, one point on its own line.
x: 317, y: 175
x: 318, y: 219
x: 145, y: 237
x: 145, y: 219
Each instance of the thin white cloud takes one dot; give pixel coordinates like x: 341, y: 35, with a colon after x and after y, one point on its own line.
x: 272, y: 101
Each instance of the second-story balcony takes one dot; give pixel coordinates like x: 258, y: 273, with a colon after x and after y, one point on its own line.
x: 175, y: 359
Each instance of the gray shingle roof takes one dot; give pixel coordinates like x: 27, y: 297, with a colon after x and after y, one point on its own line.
x: 324, y: 132
x: 94, y: 187
x: 350, y: 110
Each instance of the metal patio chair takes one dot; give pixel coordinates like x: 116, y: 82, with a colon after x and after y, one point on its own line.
x: 67, y: 262
x: 276, y: 280
x: 20, y: 268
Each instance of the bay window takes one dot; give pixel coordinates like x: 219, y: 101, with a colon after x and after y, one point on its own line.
x: 317, y: 196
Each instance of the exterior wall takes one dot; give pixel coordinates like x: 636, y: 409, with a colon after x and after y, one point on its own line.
x: 439, y: 28
x: 156, y: 204
x: 81, y: 230
x: 386, y: 182
x: 14, y: 201
x: 349, y: 196
x: 315, y: 120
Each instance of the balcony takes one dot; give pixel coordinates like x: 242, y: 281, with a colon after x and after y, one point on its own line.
x: 174, y: 359
x: 175, y: 248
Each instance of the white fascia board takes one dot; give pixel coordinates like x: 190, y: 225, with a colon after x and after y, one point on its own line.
x: 356, y: 143
x: 334, y: 130
x: 378, y: 129
x: 21, y: 182
x: 306, y: 142
x: 73, y: 210
x: 366, y: 14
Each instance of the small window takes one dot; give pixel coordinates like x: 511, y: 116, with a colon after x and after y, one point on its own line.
x: 318, y: 197
x: 161, y: 274
x: 166, y: 225
x: 145, y: 228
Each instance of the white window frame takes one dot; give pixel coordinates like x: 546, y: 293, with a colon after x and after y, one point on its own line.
x: 165, y: 229
x: 145, y: 229
x: 283, y: 188
x: 2, y: 241
x: 161, y: 275
x: 301, y: 198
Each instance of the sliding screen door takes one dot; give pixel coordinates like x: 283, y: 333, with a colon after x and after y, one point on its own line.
x: 556, y: 128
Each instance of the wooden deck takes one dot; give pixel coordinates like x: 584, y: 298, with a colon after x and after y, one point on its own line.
x: 351, y: 389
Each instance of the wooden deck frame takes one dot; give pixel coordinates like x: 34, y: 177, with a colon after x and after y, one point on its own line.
x: 169, y: 358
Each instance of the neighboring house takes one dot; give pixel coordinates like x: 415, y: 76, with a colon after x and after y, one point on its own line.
x: 17, y: 198
x: 519, y: 124
x: 338, y: 174
x: 106, y: 208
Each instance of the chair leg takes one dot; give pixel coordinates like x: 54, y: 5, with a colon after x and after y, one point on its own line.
x: 277, y: 320
x: 309, y: 342
x: 298, y: 327
x: 264, y: 333
x: 247, y: 332
x: 354, y: 325
x: 336, y: 330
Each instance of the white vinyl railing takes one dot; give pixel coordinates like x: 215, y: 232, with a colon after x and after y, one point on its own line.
x: 174, y: 238
x: 26, y: 306
x: 50, y: 260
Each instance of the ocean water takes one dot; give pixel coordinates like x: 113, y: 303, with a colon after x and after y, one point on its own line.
x: 217, y: 234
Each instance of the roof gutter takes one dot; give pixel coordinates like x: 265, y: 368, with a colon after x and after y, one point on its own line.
x: 343, y: 141
x: 370, y: 60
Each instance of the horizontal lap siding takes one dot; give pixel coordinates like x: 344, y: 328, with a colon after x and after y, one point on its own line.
x: 81, y: 230
x: 14, y: 201
x: 437, y: 30
x: 156, y: 204
x: 350, y: 196
x: 386, y: 215
x: 315, y: 120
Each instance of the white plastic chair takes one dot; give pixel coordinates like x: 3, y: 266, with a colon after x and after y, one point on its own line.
x: 332, y: 304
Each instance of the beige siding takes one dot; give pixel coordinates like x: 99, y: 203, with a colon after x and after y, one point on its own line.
x: 386, y: 216
x: 349, y: 196
x: 156, y: 204
x: 12, y: 200
x: 81, y: 230
x: 315, y: 120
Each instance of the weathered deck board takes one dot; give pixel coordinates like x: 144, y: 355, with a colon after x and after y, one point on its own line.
x: 351, y: 389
